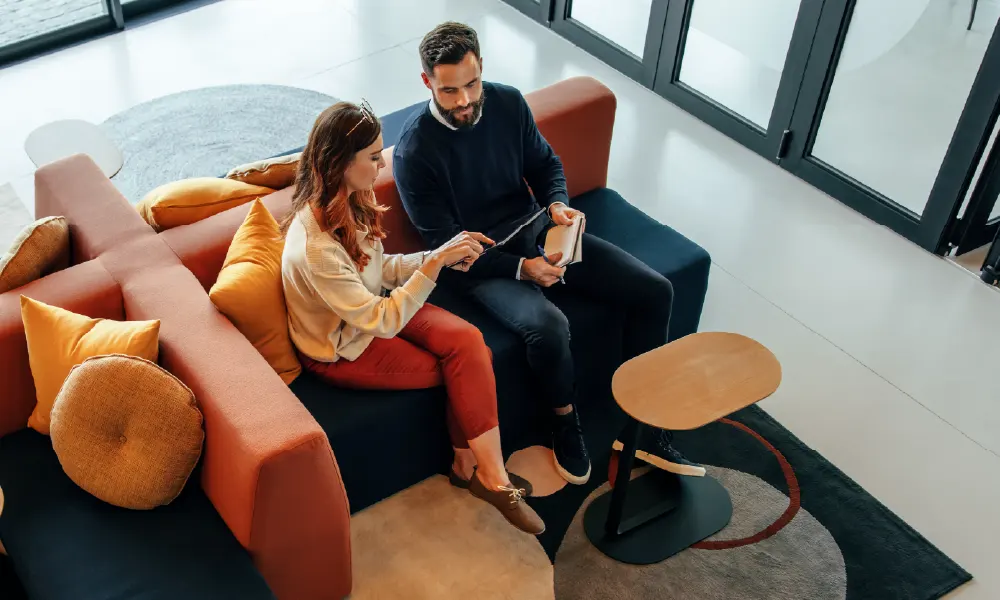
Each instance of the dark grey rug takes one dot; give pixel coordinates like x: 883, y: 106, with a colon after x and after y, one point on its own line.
x: 205, y: 132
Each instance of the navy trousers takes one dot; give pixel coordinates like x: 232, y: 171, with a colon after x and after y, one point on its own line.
x: 607, y: 275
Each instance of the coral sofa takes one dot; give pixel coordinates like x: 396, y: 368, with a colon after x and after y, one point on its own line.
x: 270, y: 513
x: 268, y: 468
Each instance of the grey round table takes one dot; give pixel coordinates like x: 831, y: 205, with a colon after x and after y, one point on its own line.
x: 60, y: 139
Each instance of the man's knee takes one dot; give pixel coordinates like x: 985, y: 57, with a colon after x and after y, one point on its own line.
x: 549, y: 330
x: 660, y: 287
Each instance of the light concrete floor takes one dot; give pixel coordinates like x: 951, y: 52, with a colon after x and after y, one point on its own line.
x: 885, y: 348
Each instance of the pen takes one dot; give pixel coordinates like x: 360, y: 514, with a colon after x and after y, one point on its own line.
x: 546, y: 259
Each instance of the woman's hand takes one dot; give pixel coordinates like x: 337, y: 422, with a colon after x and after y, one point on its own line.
x: 459, y: 253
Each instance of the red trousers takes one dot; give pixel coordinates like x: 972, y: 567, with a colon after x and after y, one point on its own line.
x: 435, y: 348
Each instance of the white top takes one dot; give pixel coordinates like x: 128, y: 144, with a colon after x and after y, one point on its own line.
x: 335, y: 310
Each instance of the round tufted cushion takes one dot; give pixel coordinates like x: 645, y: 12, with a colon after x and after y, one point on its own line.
x: 126, y: 431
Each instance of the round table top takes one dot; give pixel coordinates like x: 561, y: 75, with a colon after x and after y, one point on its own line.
x: 60, y: 139
x: 695, y: 380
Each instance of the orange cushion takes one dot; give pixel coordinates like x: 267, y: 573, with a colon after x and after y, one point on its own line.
x: 191, y: 200
x: 59, y: 339
x: 249, y: 290
x: 41, y: 248
x: 276, y: 173
x: 127, y: 431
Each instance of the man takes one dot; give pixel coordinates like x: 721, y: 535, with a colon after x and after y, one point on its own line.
x: 461, y: 164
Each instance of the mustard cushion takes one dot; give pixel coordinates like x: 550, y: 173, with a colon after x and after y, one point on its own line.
x: 191, y: 200
x: 41, y: 248
x: 59, y: 339
x: 127, y: 431
x: 276, y: 173
x: 250, y: 293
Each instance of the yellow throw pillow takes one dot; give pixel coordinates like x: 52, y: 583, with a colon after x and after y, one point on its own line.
x: 41, y: 248
x: 191, y: 200
x: 127, y: 431
x: 250, y: 293
x: 59, y: 339
x: 276, y: 173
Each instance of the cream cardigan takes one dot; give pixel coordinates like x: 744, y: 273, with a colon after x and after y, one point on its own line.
x: 335, y: 310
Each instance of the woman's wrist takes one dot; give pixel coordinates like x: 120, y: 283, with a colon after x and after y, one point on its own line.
x: 431, y: 266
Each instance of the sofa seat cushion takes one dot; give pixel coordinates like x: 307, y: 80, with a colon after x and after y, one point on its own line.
x: 384, y: 441
x: 66, y: 544
x: 683, y: 262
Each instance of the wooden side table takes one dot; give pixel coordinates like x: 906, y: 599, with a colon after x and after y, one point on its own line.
x: 686, y: 384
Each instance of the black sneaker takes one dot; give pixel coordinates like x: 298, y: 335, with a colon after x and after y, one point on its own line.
x: 661, y: 453
x: 675, y: 461
x: 569, y: 449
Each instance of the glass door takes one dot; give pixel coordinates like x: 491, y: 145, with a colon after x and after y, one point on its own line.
x: 895, y: 110
x: 29, y: 26
x: 624, y: 33
x: 738, y: 65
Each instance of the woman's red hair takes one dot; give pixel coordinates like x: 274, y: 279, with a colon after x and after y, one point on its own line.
x: 320, y: 178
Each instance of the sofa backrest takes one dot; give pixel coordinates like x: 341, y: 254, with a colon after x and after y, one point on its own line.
x: 86, y: 289
x: 576, y: 116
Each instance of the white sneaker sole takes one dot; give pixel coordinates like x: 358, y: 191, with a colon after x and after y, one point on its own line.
x: 661, y: 463
x: 569, y: 476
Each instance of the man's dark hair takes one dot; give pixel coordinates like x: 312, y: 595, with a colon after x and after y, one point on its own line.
x: 447, y: 44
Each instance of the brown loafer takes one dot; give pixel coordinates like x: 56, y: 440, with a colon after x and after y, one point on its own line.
x: 510, y: 502
x: 515, y: 480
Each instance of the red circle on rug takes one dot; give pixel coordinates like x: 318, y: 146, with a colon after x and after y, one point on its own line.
x: 794, y: 499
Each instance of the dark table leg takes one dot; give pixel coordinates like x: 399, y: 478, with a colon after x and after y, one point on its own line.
x: 630, y: 441
x: 658, y: 514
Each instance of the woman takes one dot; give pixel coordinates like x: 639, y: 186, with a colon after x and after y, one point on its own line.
x: 350, y: 335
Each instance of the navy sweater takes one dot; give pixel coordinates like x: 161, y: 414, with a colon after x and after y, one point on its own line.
x: 474, y: 179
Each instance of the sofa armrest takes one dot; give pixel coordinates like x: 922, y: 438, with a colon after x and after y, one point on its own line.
x: 99, y: 216
x: 85, y: 289
x: 268, y: 466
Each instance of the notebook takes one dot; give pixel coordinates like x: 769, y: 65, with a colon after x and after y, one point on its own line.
x: 567, y: 239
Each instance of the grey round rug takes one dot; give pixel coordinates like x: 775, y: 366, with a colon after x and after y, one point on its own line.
x: 206, y: 132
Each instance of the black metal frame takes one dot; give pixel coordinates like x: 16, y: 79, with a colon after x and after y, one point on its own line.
x: 642, y: 69
x: 766, y: 142
x: 115, y: 19
x: 540, y: 10
x: 975, y: 229
x: 929, y: 230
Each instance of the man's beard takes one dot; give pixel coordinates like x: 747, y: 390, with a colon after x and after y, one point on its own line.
x: 451, y: 115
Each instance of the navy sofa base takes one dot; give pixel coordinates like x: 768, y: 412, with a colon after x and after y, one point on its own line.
x: 387, y: 441
x: 65, y: 544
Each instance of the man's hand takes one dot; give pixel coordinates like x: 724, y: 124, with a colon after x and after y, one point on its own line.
x: 539, y: 271
x: 562, y: 214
